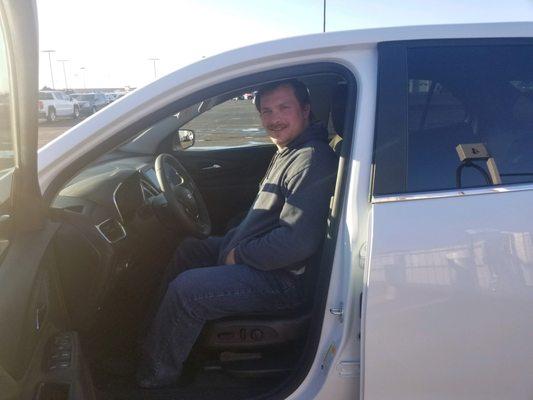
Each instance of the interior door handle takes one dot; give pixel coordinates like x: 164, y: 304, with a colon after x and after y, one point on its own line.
x: 214, y: 166
x: 40, y: 315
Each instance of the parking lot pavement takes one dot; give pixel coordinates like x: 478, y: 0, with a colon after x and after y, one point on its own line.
x: 50, y: 130
x: 231, y: 123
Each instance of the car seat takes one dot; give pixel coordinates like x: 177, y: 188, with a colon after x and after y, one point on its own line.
x: 338, y: 114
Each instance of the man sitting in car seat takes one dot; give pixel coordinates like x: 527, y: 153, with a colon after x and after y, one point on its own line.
x: 257, y: 267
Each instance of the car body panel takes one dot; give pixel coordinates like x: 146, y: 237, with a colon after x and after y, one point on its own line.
x: 335, y: 372
x: 402, y: 350
x: 435, y: 295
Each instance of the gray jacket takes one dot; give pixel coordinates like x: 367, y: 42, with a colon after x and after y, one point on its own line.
x: 286, y: 223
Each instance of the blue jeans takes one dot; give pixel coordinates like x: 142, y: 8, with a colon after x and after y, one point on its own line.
x: 197, y: 292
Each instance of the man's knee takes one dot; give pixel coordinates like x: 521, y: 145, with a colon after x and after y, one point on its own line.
x: 183, y: 289
x: 183, y: 284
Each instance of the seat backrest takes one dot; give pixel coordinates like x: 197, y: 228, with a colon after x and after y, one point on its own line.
x: 338, y: 114
x: 338, y: 107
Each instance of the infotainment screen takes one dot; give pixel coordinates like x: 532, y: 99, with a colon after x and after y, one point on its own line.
x: 152, y: 178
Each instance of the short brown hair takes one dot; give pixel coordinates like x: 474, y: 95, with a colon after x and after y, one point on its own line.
x: 300, y: 91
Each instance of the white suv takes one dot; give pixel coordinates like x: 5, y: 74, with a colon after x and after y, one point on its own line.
x: 53, y: 104
x: 424, y: 285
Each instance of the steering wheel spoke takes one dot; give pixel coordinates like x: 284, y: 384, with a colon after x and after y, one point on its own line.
x: 183, y: 198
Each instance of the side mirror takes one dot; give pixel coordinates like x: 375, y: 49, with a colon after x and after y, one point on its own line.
x: 183, y: 140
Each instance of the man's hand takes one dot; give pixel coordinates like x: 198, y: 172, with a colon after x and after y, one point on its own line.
x: 230, y: 258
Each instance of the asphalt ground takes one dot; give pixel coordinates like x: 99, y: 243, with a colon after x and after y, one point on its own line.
x: 50, y: 130
x: 233, y: 123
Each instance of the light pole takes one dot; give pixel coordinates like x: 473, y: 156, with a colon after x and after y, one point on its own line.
x: 50, y: 62
x: 324, y: 26
x: 83, y: 69
x: 155, y: 71
x: 64, y: 72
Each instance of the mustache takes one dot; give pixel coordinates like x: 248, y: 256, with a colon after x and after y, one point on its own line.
x: 276, y: 127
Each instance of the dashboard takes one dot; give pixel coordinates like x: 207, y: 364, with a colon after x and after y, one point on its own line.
x: 110, y: 235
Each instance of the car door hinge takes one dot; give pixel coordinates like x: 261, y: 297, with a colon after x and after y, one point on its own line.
x: 362, y: 256
x: 338, y: 311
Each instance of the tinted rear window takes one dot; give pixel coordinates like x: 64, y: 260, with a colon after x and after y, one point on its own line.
x: 45, y: 96
x: 461, y: 95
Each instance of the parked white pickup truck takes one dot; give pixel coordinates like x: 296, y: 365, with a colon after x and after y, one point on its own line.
x: 53, y: 104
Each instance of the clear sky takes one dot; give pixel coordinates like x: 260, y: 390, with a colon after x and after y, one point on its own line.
x: 108, y: 43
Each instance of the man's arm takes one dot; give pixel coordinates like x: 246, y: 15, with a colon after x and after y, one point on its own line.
x: 302, y: 222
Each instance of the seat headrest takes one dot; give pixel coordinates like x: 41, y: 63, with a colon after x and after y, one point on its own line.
x: 338, y: 107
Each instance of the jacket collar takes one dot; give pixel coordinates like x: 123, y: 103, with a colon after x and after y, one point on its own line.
x: 314, y: 131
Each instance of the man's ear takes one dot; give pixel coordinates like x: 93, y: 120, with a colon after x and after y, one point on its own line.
x: 307, y: 111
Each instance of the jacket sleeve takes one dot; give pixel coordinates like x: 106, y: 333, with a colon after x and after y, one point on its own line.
x: 301, y: 226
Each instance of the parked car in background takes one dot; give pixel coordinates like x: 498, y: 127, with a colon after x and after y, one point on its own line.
x: 53, y: 104
x: 110, y: 97
x: 90, y: 102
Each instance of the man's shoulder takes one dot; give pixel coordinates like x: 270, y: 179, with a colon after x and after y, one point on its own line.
x: 315, y: 151
x: 315, y: 154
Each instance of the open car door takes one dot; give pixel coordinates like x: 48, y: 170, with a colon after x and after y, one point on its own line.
x: 38, y: 356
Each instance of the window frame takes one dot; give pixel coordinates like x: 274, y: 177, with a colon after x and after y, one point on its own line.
x: 234, y: 84
x: 24, y: 202
x: 391, y: 134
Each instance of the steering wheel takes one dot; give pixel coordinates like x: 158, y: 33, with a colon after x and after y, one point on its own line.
x: 183, y: 198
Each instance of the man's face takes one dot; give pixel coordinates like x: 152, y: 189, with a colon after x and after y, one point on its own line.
x: 282, y: 115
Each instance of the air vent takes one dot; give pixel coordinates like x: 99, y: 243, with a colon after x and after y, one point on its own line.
x: 112, y: 230
x: 148, y: 190
x: 76, y: 209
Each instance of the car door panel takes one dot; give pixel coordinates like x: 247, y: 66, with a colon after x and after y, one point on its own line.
x: 29, y: 302
x: 32, y: 314
x: 31, y: 305
x: 228, y: 178
x: 65, y: 106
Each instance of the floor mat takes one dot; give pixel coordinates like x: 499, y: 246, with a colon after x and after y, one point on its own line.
x: 207, y: 385
x: 211, y: 384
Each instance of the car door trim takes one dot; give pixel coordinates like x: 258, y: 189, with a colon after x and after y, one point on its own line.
x: 451, y: 193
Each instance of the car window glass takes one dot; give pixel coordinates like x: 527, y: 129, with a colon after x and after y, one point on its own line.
x: 232, y: 123
x: 6, y: 127
x: 45, y: 96
x: 464, y: 95
x: 432, y: 105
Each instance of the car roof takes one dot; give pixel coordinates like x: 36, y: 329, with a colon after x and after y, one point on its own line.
x: 372, y: 36
x: 359, y: 38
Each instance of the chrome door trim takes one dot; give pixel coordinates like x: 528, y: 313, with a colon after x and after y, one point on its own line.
x: 451, y: 193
